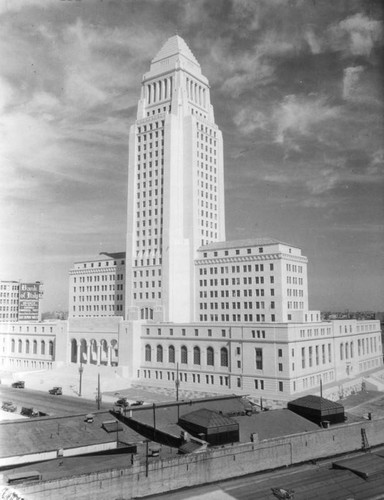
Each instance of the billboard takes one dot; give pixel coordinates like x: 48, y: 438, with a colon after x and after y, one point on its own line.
x: 29, y: 296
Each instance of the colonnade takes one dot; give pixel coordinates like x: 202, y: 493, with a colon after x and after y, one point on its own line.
x: 93, y: 352
x: 196, y: 93
x: 160, y: 90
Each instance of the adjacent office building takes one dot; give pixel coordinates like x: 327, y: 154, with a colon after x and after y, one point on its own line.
x: 20, y: 301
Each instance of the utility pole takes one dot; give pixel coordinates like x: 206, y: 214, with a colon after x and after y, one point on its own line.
x: 81, y: 369
x: 146, y: 458
x: 98, y: 396
x: 177, y: 383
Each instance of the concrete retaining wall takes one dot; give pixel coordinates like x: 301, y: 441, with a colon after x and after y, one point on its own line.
x: 212, y: 465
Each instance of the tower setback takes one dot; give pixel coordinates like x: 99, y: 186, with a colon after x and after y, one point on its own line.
x: 175, y: 186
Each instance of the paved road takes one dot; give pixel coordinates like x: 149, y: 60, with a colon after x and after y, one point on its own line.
x: 47, y: 403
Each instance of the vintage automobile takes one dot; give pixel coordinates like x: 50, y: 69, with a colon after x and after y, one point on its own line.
x: 29, y: 412
x: 56, y: 391
x: 8, y: 406
x: 20, y: 384
x: 122, y: 402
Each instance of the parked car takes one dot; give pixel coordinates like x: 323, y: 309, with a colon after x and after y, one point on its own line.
x: 9, y: 406
x: 29, y: 412
x: 20, y: 384
x: 122, y: 402
x: 56, y: 391
x: 137, y: 403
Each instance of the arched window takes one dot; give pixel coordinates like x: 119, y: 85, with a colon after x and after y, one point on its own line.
x: 184, y: 354
x: 171, y: 354
x: 51, y: 347
x: 224, y: 356
x: 196, y: 356
x: 13, y: 345
x: 147, y: 352
x: 20, y: 346
x: 27, y: 346
x: 351, y: 344
x: 341, y: 351
x: 159, y: 354
x: 210, y: 357
x: 35, y: 347
x: 42, y: 347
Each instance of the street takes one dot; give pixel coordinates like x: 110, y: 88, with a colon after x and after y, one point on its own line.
x: 47, y: 403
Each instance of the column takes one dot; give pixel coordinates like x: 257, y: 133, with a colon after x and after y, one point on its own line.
x: 109, y: 356
x: 88, y: 353
x: 98, y: 346
x: 78, y: 353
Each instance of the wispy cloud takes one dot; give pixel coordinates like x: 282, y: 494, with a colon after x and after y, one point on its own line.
x: 300, y: 114
x: 356, y: 35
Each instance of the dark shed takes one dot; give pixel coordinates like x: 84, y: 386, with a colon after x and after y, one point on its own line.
x: 210, y: 426
x: 318, y: 409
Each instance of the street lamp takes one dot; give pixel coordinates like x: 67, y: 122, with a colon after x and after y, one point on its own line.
x: 177, y: 382
x: 81, y: 369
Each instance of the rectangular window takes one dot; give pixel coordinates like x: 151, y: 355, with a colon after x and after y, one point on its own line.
x: 281, y: 387
x: 259, y: 358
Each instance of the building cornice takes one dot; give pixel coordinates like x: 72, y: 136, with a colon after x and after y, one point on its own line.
x: 249, y: 258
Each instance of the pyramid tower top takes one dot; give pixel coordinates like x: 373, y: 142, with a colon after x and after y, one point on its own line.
x: 175, y: 46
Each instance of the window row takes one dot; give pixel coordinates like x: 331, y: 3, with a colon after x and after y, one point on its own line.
x: 184, y: 355
x: 27, y: 346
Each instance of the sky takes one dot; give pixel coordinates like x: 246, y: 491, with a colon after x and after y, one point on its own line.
x: 297, y: 89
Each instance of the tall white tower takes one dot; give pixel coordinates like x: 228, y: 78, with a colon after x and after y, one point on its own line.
x: 175, y: 186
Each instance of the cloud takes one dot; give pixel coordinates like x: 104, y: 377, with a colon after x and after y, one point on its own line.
x: 356, y: 35
x: 350, y: 81
x: 376, y: 165
x: 248, y: 120
x: 298, y: 115
x: 6, y: 94
x: 324, y: 180
x: 7, y: 6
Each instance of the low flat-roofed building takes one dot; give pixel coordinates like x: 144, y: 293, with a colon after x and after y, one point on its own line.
x: 271, y: 361
x: 34, y: 440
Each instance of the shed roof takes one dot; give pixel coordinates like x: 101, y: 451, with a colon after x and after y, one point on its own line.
x: 207, y: 419
x: 365, y: 466
x: 272, y: 424
x: 316, y: 403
